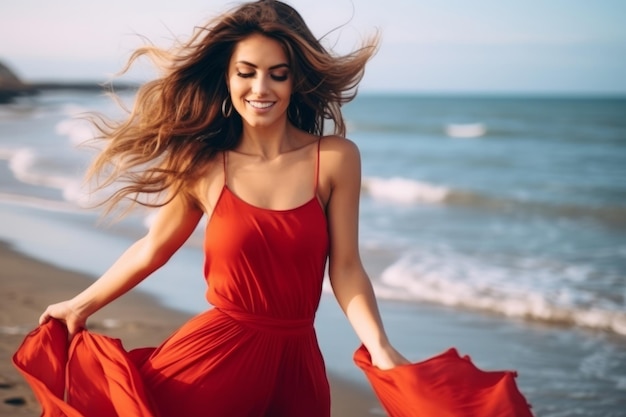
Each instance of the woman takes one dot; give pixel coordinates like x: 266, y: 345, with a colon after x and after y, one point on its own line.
x: 234, y: 130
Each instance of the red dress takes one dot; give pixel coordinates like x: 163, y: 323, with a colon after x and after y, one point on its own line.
x: 255, y: 353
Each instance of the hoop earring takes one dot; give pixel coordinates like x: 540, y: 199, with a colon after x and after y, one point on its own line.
x: 225, y: 103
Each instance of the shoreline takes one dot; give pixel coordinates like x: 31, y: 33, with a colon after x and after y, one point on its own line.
x: 138, y: 319
x: 547, y: 357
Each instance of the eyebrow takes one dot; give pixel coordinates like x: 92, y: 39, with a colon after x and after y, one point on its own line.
x: 250, y: 64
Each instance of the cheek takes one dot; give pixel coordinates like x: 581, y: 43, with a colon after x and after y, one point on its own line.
x: 235, y: 86
x: 284, y: 89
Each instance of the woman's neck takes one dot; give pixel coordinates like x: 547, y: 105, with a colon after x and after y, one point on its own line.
x: 268, y: 142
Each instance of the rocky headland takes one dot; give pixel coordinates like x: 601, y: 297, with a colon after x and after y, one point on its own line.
x: 11, y: 86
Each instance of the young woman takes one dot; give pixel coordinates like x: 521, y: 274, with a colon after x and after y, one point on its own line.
x: 235, y: 131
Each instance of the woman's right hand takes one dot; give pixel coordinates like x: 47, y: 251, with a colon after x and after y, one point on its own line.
x: 65, y: 313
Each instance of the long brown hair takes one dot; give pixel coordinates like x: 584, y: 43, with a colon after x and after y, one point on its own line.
x: 176, y: 123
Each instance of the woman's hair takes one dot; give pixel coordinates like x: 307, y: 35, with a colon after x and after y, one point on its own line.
x: 177, y: 123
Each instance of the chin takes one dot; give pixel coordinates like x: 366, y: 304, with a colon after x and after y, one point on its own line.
x: 256, y: 122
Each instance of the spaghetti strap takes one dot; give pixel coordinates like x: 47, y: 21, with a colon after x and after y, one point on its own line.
x: 224, y: 168
x: 317, y: 167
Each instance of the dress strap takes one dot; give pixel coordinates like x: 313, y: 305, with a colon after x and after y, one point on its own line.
x: 224, y: 167
x: 317, y: 166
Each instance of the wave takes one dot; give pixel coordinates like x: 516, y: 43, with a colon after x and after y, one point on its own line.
x: 465, y: 130
x: 403, y: 190
x: 406, y: 191
x: 79, y: 131
x: 430, y: 129
x: 542, y: 294
x: 410, y: 191
x: 496, y: 129
x: 25, y: 164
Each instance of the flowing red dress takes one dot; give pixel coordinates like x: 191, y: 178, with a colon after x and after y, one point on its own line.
x: 255, y: 353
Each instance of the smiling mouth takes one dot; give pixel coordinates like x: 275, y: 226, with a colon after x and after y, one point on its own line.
x: 260, y: 104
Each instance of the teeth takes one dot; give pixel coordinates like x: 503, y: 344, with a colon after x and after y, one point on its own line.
x: 260, y: 104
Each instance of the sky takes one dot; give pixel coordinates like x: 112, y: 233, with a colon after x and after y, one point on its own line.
x: 436, y: 46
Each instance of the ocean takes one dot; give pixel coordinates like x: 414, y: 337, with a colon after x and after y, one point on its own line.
x: 496, y: 223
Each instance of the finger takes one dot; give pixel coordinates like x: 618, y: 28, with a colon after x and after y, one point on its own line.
x: 44, y: 317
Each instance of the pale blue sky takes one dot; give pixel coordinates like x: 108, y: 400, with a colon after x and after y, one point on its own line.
x: 466, y: 46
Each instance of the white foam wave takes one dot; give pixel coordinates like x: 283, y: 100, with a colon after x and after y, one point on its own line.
x: 23, y: 165
x: 404, y: 190
x: 465, y: 130
x: 77, y: 130
x: 24, y: 162
x: 461, y: 281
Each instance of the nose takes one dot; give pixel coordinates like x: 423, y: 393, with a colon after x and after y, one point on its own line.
x: 260, y: 85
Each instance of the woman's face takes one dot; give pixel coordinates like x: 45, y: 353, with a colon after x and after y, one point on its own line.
x: 260, y: 81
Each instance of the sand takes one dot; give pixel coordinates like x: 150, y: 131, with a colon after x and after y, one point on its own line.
x: 27, y: 286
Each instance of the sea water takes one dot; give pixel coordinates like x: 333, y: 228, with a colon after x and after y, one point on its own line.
x: 507, y: 210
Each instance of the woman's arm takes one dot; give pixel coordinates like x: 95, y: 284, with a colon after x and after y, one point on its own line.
x: 172, y: 226
x: 350, y: 283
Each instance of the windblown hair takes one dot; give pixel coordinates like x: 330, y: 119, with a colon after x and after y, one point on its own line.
x: 176, y: 123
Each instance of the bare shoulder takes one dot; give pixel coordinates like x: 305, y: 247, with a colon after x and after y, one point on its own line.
x: 339, y: 151
x: 340, y: 159
x: 343, y: 146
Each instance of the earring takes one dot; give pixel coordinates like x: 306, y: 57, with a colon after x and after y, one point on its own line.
x: 227, y: 113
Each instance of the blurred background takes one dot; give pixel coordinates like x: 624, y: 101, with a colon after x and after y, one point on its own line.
x: 493, y: 138
x: 486, y: 46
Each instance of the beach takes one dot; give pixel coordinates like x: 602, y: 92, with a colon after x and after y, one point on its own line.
x: 495, y: 225
x: 547, y: 357
x: 28, y: 286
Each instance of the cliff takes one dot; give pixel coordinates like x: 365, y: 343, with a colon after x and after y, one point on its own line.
x: 12, y: 86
